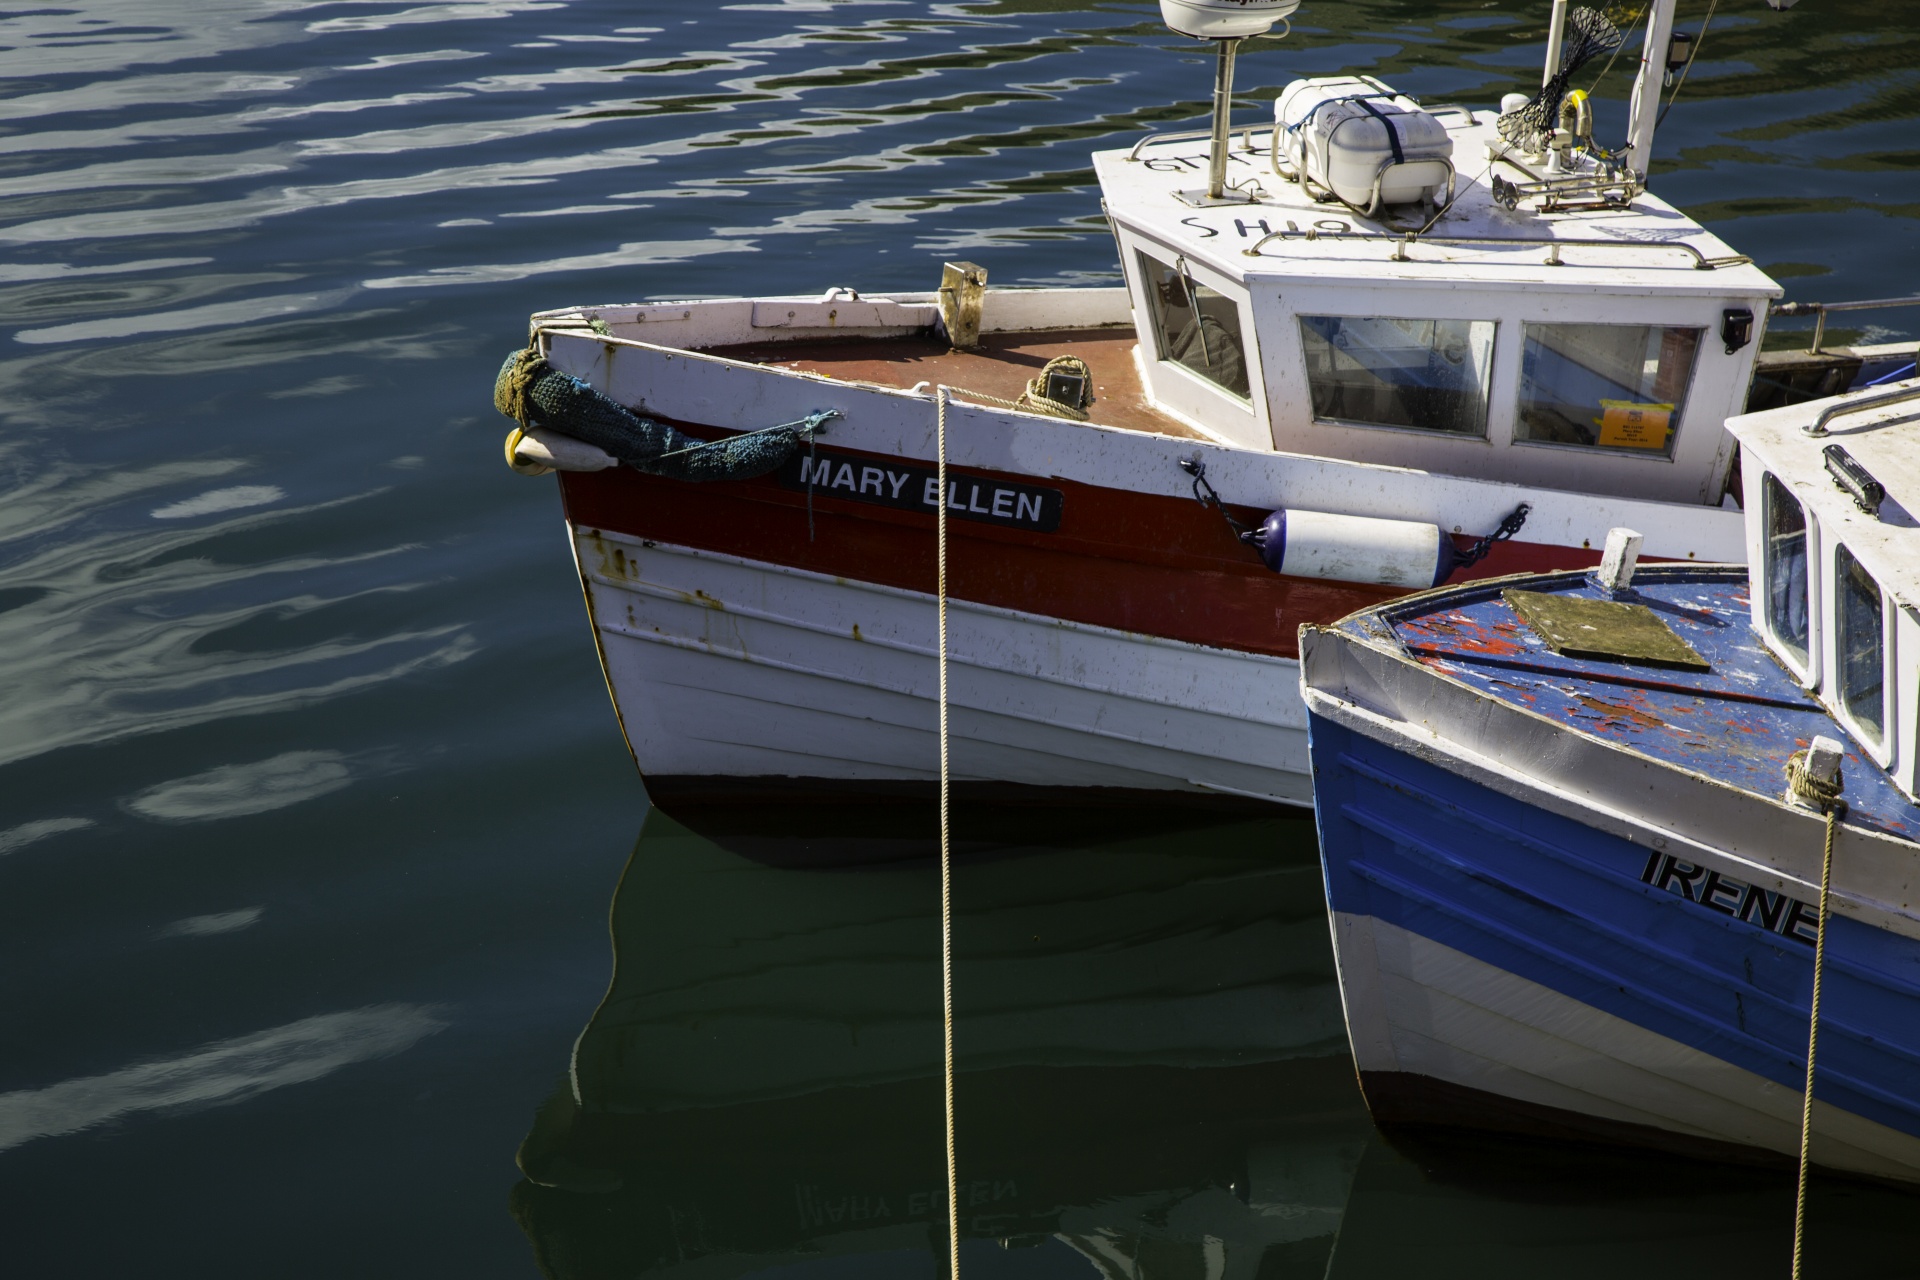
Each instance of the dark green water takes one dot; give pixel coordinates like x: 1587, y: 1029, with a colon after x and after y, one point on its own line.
x: 311, y: 805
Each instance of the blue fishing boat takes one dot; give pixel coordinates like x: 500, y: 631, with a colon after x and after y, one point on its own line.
x: 1578, y: 828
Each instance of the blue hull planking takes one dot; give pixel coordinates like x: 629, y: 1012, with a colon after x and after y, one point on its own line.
x: 1605, y: 922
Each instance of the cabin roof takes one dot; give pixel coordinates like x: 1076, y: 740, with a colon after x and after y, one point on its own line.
x: 1886, y: 441
x: 1644, y: 250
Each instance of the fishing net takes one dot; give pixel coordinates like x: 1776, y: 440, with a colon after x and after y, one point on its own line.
x: 535, y: 394
x: 1590, y: 33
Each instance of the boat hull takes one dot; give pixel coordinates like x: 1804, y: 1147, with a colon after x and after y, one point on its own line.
x: 757, y: 673
x: 1108, y: 630
x: 1517, y: 952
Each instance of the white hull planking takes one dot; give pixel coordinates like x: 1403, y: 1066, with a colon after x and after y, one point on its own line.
x: 1418, y: 1006
x: 724, y: 667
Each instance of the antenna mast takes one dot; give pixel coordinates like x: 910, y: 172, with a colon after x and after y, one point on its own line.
x: 1646, y: 88
x: 1226, y: 23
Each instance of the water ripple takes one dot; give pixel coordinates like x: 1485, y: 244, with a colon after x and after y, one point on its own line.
x: 218, y: 1074
x: 257, y: 548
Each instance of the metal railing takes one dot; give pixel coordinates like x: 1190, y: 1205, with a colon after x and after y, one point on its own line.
x: 1190, y: 135
x: 1818, y: 427
x: 1553, y: 247
x: 1819, y: 311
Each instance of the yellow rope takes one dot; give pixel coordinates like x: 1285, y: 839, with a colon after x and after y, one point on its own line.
x: 511, y: 388
x: 946, y: 853
x: 1827, y: 796
x: 1033, y: 399
x: 510, y: 398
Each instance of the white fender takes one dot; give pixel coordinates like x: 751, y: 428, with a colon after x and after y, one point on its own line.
x: 555, y: 452
x: 1388, y: 553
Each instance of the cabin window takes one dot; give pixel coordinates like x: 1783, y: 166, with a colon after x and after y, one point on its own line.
x: 1786, y: 569
x: 1429, y: 375
x: 1605, y: 386
x: 1859, y: 645
x: 1196, y: 327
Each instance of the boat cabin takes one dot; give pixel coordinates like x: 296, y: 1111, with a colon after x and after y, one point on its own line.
x: 1593, y: 342
x: 1834, y: 551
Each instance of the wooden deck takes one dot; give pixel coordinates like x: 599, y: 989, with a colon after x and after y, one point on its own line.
x: 999, y: 367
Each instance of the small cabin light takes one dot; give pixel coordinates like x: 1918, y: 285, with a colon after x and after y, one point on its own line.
x: 1679, y: 51
x: 1736, y: 328
x: 1866, y: 492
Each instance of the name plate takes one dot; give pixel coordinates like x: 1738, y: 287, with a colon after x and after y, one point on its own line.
x: 833, y: 474
x: 1774, y: 912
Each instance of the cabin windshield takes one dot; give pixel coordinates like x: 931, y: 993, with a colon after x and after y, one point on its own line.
x: 1196, y: 327
x: 1429, y: 375
x: 1858, y: 645
x: 1786, y: 569
x: 1605, y: 386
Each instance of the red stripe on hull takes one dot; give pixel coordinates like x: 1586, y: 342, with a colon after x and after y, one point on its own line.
x: 1163, y: 566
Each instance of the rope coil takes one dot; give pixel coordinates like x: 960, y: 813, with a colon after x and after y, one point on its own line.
x: 1035, y: 399
x: 1815, y: 792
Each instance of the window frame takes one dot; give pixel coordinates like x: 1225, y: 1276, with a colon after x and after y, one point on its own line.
x: 1483, y: 436
x: 1808, y: 671
x: 1880, y: 751
x: 1681, y: 410
x: 1144, y: 262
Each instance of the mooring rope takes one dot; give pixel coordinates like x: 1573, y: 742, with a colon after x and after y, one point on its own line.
x: 946, y: 848
x: 1826, y: 795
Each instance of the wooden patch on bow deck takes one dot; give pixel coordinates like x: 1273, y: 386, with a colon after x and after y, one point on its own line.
x: 1609, y: 630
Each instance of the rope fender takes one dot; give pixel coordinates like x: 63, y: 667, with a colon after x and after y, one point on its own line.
x: 535, y: 394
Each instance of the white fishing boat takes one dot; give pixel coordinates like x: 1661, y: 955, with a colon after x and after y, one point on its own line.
x: 1595, y: 845
x: 1364, y: 348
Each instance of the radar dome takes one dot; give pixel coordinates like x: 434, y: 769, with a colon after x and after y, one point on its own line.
x: 1224, y: 19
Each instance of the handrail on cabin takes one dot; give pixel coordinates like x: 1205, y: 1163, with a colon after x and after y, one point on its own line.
x: 1818, y: 427
x: 1553, y: 247
x: 1190, y: 135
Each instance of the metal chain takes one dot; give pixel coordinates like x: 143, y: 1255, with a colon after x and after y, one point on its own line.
x: 1508, y: 527
x: 1203, y: 494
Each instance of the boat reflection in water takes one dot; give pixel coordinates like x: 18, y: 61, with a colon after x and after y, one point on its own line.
x: 1154, y: 1081
x: 1153, y: 1071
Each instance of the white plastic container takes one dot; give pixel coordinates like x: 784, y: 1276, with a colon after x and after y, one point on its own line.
x: 1353, y: 134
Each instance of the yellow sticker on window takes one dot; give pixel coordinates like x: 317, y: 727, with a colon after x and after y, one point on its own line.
x: 1626, y: 424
